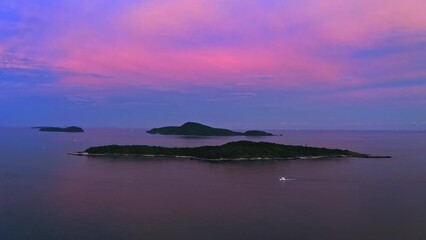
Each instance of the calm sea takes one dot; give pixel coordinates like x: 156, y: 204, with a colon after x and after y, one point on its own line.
x: 46, y: 194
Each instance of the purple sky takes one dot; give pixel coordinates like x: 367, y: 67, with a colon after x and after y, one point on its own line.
x: 276, y: 64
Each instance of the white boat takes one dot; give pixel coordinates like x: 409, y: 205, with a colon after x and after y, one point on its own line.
x: 282, y: 179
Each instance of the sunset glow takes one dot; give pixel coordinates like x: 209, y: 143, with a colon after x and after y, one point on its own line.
x: 317, y: 64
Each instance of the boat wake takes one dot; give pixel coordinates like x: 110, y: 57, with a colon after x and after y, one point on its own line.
x: 287, y: 179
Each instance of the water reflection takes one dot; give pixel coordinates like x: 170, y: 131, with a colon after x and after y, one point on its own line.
x: 47, y: 194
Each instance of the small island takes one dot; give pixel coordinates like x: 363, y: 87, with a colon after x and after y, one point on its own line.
x: 197, y: 129
x: 233, y: 151
x: 72, y: 129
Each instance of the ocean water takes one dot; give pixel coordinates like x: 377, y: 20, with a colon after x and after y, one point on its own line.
x: 47, y: 194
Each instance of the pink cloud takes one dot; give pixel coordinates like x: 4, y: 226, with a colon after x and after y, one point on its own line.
x: 167, y: 17
x: 359, y: 21
x: 136, y: 43
x: 398, y: 97
x: 133, y: 54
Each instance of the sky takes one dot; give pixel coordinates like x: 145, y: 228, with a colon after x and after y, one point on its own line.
x: 276, y: 64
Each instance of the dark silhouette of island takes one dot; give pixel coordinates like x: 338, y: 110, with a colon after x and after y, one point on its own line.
x: 240, y: 150
x: 59, y: 129
x: 257, y: 133
x: 197, y: 129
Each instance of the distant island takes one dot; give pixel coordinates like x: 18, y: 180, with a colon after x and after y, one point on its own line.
x: 197, y: 129
x: 59, y: 129
x: 240, y: 150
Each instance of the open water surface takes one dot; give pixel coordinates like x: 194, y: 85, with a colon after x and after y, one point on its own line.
x: 47, y: 194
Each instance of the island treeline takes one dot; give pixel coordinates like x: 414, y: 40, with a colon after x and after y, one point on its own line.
x: 197, y: 129
x: 60, y: 129
x: 240, y: 150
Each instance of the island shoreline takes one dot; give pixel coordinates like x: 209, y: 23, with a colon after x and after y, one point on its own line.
x: 85, y: 154
x: 232, y: 151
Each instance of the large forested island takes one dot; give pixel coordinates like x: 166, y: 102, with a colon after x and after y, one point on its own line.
x: 60, y: 129
x: 197, y: 129
x: 240, y: 150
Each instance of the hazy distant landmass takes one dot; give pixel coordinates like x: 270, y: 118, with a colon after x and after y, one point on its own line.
x: 240, y: 150
x: 257, y: 133
x: 197, y: 129
x: 59, y: 129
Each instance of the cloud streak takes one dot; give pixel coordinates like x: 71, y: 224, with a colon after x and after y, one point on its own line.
x: 337, y: 49
x: 186, y: 42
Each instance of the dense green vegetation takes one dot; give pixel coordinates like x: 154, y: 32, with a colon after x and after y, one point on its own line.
x: 232, y: 150
x: 197, y: 129
x: 257, y: 133
x: 59, y: 129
